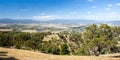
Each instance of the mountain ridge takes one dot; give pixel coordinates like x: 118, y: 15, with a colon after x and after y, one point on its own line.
x: 64, y: 21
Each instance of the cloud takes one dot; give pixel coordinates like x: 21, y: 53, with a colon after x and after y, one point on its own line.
x: 110, y: 5
x: 74, y: 12
x: 103, y: 16
x: 107, y: 8
x: 43, y: 14
x: 89, y: 12
x: 44, y: 17
x: 91, y: 0
x: 94, y: 7
x: 118, y: 4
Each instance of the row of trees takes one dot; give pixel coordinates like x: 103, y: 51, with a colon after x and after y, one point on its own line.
x: 94, y: 40
x: 30, y: 41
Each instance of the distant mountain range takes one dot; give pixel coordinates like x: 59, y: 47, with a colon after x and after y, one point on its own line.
x: 17, y: 21
x: 115, y: 22
x: 61, y: 21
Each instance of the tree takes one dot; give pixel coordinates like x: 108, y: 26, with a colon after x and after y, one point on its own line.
x: 18, y: 45
x: 64, y: 49
x: 83, y: 50
x: 31, y: 44
x: 100, y: 39
x: 49, y: 47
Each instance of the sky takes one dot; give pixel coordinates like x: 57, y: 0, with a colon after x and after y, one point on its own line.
x: 60, y: 9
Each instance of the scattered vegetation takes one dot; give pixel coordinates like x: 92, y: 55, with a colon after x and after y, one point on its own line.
x: 95, y: 40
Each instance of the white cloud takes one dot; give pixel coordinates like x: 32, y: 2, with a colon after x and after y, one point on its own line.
x: 103, y: 16
x: 90, y: 16
x: 44, y: 17
x: 91, y: 0
x: 118, y: 4
x: 74, y: 12
x: 43, y: 14
x: 110, y: 5
x: 107, y: 8
x: 94, y: 7
x: 89, y: 12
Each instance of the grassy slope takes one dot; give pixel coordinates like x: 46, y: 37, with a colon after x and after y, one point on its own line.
x: 30, y: 55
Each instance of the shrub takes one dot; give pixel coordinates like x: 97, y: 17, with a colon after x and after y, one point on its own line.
x: 64, y: 49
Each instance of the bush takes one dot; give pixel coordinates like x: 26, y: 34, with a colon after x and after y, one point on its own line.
x: 50, y: 48
x: 83, y: 50
x: 64, y: 49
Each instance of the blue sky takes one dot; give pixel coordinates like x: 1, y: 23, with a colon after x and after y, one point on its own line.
x: 60, y: 9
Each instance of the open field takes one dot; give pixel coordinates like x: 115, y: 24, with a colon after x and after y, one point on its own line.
x: 15, y: 54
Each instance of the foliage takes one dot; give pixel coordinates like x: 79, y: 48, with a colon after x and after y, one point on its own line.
x: 83, y: 50
x: 48, y: 47
x: 64, y: 49
x: 101, y: 39
x: 95, y: 40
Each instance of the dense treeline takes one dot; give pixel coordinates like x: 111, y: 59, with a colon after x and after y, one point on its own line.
x: 95, y: 40
x: 21, y: 39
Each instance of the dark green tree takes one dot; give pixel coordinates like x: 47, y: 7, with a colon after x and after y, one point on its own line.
x: 64, y: 49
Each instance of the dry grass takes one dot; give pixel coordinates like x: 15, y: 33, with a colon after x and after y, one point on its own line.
x: 30, y: 55
x: 5, y: 30
x: 30, y: 31
x: 49, y: 37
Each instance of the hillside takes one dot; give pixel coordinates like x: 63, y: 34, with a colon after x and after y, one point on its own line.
x: 15, y: 54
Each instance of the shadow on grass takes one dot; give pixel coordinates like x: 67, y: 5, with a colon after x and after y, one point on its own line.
x: 9, y: 58
x: 116, y: 56
x: 3, y: 56
x: 3, y: 53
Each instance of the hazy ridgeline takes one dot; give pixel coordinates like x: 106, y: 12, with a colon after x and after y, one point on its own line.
x: 94, y: 40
